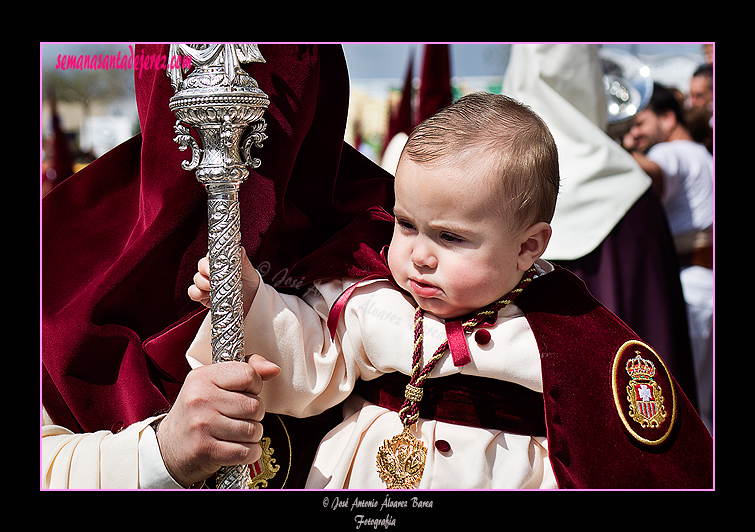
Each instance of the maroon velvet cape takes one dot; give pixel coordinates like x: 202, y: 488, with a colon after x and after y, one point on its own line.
x: 121, y: 239
x: 588, y: 444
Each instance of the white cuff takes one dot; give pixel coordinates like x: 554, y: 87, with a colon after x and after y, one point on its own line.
x: 152, y: 471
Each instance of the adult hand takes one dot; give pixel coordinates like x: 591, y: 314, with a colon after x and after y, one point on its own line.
x: 215, y: 420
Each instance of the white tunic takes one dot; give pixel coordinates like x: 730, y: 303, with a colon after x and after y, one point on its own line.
x: 374, y: 337
x: 129, y: 459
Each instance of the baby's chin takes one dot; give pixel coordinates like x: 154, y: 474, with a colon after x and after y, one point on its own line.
x: 442, y: 309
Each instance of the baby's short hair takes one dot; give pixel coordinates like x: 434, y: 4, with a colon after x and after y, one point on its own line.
x: 516, y: 142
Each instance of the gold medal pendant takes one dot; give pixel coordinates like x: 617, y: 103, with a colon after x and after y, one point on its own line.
x: 401, y: 460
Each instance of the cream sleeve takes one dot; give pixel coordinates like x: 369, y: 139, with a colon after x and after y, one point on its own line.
x: 129, y: 459
x: 316, y: 372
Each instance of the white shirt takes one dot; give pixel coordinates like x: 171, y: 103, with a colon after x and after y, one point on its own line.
x: 687, y: 184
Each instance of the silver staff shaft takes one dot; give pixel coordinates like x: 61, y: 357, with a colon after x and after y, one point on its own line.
x: 224, y: 245
x: 224, y: 253
x: 225, y: 106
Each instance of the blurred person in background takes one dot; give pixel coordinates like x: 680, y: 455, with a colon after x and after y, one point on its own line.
x: 699, y: 106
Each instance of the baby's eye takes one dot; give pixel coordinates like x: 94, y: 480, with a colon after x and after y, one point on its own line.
x: 450, y: 238
x: 404, y: 224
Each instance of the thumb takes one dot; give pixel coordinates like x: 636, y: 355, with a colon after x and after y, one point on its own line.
x: 264, y: 368
x: 250, y: 281
x: 247, y: 269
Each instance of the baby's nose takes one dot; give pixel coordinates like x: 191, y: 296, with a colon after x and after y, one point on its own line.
x: 424, y: 257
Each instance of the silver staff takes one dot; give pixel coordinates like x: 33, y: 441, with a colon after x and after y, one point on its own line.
x: 225, y: 106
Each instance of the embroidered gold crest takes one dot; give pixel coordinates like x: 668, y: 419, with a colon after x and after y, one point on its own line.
x: 266, y: 472
x: 265, y: 468
x: 643, y: 393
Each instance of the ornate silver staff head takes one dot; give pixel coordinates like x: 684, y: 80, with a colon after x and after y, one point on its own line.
x: 225, y: 106
x: 222, y: 102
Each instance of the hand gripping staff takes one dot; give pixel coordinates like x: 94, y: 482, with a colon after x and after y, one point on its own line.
x: 225, y: 106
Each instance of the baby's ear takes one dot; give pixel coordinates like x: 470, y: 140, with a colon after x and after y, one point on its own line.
x: 534, y: 241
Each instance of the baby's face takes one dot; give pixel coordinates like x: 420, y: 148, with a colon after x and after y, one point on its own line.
x: 450, y: 248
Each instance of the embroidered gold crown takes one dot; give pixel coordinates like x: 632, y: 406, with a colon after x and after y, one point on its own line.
x: 640, y: 368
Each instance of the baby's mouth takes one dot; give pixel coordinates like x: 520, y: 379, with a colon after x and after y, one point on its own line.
x: 423, y: 289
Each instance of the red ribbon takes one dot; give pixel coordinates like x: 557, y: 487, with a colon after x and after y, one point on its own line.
x: 457, y: 343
